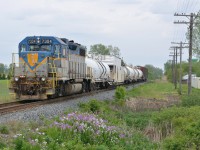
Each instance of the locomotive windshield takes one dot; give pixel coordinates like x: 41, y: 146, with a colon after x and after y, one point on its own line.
x: 39, y: 47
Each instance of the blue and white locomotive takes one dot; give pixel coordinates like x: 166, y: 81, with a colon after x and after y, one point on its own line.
x: 49, y: 67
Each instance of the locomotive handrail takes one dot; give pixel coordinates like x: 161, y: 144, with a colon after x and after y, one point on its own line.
x: 14, y: 66
x: 53, y: 74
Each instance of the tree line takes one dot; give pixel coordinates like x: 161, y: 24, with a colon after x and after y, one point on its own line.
x: 5, y: 71
x: 104, y: 50
x: 185, y: 67
x: 154, y: 72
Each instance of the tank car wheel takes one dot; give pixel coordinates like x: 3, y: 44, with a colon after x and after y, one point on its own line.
x: 106, y: 85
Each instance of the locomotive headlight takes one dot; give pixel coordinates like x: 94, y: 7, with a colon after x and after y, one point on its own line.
x: 43, y: 79
x: 16, y: 79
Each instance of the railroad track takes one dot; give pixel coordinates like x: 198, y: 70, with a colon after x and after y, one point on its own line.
x: 23, y: 105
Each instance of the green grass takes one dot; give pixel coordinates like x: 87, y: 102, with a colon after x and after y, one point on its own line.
x: 156, y: 90
x: 179, y: 127
x: 193, y: 99
x: 4, y: 92
x: 171, y: 128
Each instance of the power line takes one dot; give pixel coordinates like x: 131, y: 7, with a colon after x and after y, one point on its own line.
x: 187, y: 6
x: 191, y: 23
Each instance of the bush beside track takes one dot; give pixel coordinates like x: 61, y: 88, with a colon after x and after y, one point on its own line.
x: 115, y: 124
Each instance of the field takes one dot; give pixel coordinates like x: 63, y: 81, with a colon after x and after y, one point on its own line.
x: 156, y: 90
x: 118, y: 124
x: 4, y: 92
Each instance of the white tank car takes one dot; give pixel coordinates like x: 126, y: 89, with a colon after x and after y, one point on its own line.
x: 140, y: 74
x: 116, y: 69
x: 131, y: 74
x: 136, y: 74
x: 99, y: 71
x: 125, y: 74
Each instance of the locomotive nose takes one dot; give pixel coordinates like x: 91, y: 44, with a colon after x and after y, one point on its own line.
x: 32, y: 59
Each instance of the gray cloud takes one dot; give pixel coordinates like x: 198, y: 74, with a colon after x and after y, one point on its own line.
x: 137, y: 27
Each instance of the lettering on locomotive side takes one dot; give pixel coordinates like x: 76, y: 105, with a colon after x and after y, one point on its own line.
x: 38, y: 41
x: 32, y: 41
x: 46, y: 41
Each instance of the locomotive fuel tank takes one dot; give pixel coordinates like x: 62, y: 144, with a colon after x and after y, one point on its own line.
x: 73, y: 88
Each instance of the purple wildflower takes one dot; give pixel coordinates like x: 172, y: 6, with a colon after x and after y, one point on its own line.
x: 80, y: 128
x: 110, y: 128
x: 122, y: 135
x: 32, y: 142
x: 97, y: 132
x: 56, y: 123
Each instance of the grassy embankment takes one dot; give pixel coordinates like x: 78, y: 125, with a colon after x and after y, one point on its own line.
x: 141, y: 118
x: 4, y: 92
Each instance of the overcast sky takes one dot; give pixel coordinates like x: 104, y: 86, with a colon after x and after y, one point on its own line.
x: 142, y: 29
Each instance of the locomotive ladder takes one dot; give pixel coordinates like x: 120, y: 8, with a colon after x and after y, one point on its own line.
x: 54, y: 74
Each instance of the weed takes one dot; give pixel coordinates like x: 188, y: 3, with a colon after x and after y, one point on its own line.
x: 2, y: 145
x: 191, y: 100
x: 4, y: 129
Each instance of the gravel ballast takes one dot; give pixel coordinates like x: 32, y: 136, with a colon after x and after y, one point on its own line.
x: 51, y: 110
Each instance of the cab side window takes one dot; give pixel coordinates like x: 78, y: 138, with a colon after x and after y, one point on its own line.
x: 22, y: 48
x: 63, y: 51
x: 57, y: 49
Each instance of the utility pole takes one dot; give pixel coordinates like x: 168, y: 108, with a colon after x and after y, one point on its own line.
x: 191, y: 17
x: 173, y: 65
x: 180, y: 73
x: 176, y: 68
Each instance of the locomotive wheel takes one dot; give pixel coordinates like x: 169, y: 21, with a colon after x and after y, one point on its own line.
x: 84, y: 85
x: 50, y: 96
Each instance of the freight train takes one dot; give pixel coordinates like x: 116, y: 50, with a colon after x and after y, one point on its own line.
x: 50, y: 67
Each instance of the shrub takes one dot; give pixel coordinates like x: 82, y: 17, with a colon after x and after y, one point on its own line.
x: 93, y: 106
x: 120, y: 94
